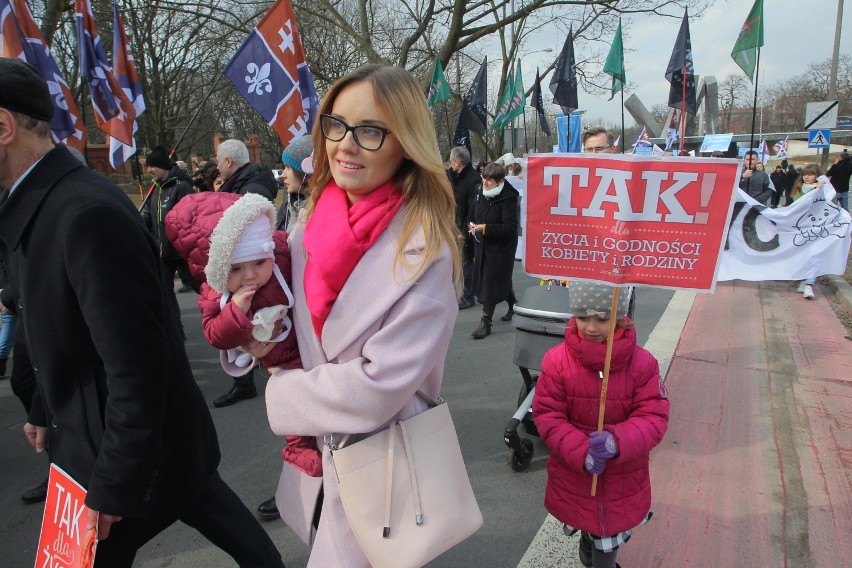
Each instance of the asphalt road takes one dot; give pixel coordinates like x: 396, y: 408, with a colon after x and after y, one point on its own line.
x: 481, y: 385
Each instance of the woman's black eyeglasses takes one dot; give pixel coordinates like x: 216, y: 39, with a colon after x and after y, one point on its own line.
x: 367, y: 136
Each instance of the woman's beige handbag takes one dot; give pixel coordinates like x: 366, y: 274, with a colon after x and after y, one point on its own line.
x: 406, y: 492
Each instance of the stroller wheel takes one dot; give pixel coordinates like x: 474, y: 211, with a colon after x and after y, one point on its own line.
x: 519, y: 461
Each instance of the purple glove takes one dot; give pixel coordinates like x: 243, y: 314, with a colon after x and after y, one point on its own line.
x: 593, y: 464
x: 602, y: 446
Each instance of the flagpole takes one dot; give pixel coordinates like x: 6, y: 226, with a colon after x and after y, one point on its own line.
x: 449, y: 132
x: 623, y: 139
x: 754, y: 103
x: 535, y: 133
x: 182, y: 134
x: 683, y: 110
x: 526, y: 138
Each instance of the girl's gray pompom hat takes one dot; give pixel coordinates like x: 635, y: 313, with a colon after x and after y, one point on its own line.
x: 590, y: 298
x: 243, y: 233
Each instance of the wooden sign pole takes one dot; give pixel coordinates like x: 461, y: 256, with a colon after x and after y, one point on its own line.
x: 613, y: 320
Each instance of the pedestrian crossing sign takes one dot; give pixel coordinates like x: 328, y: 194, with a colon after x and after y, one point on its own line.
x: 819, y: 138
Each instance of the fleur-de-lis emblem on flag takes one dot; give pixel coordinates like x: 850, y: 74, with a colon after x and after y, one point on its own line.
x: 258, y: 79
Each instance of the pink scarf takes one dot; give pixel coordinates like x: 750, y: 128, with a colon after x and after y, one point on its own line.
x: 336, y: 237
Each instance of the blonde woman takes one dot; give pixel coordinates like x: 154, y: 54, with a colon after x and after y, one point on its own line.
x: 376, y: 276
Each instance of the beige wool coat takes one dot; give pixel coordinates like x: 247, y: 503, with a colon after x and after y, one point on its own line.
x: 386, y: 337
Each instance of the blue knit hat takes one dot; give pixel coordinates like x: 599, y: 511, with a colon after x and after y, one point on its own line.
x: 296, y: 151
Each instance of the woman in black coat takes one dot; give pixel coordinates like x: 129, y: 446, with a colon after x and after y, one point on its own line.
x: 494, y: 222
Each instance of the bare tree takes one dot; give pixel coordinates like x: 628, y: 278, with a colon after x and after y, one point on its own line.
x: 787, y: 98
x: 733, y: 93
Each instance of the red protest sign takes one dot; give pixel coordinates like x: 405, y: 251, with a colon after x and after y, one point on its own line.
x: 64, y: 541
x: 627, y: 219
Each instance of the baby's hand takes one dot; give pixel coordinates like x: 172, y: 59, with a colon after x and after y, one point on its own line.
x: 243, y: 297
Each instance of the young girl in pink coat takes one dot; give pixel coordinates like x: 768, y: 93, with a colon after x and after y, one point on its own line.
x: 565, y: 409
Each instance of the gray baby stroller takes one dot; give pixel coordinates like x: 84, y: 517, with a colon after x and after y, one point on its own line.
x: 541, y: 316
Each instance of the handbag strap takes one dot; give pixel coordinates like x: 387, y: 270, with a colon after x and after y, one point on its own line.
x: 412, y: 477
x: 412, y: 474
x: 389, y: 486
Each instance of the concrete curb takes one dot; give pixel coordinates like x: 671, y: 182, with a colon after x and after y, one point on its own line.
x: 842, y: 291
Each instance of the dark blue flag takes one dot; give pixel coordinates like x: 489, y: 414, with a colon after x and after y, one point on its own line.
x: 682, y: 69
x: 538, y: 105
x: 563, y: 84
x: 474, y: 115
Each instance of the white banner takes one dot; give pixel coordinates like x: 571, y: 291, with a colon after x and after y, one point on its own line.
x: 808, y: 238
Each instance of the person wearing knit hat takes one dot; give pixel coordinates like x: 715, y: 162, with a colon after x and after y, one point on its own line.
x: 229, y: 243
x: 243, y: 264
x: 170, y: 185
x: 566, y: 407
x: 296, y: 180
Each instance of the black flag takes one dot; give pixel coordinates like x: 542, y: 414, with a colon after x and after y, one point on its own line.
x: 473, y: 114
x: 563, y: 84
x: 538, y: 105
x: 462, y: 135
x: 681, y: 68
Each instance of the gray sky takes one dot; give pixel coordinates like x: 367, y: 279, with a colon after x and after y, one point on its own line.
x: 797, y: 32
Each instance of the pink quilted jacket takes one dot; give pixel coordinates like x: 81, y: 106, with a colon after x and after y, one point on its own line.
x: 565, y: 409
x: 189, y: 226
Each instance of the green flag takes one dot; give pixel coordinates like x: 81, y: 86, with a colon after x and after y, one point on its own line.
x: 615, y: 63
x: 750, y: 40
x: 518, y: 101
x: 503, y: 106
x: 512, y: 102
x: 438, y: 89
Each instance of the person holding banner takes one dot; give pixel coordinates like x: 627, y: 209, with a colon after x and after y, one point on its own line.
x: 806, y: 183
x: 565, y: 408
x: 494, y: 222
x: 376, y: 280
x: 754, y: 181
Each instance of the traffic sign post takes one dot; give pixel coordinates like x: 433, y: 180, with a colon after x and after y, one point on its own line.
x: 819, y: 138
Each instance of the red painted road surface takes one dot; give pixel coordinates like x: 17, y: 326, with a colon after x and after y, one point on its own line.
x: 756, y: 468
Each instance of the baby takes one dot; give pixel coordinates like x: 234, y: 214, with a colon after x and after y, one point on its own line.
x: 230, y: 245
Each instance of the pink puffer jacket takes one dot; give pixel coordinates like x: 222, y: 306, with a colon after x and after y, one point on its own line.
x: 189, y: 226
x: 565, y: 409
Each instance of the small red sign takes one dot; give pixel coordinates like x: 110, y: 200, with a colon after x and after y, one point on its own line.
x: 64, y: 541
x: 626, y: 219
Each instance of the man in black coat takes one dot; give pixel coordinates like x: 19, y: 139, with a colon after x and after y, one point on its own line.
x: 779, y: 180
x: 839, y: 174
x: 116, y: 403
x: 753, y: 181
x: 241, y: 177
x: 465, y: 182
x: 171, y: 184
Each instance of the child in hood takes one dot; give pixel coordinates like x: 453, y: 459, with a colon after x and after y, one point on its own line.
x: 230, y: 245
x: 565, y: 408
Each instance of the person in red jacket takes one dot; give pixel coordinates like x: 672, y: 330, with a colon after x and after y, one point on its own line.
x: 230, y: 245
x: 565, y: 408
